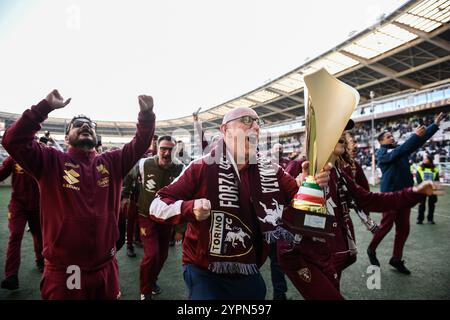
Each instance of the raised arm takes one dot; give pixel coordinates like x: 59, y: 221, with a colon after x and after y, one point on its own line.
x: 414, y: 142
x: 385, y: 156
x: 383, y: 201
x: 135, y: 149
x: 200, y: 135
x: 19, y: 141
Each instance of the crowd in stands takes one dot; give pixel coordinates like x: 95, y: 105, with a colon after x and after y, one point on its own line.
x: 401, y: 127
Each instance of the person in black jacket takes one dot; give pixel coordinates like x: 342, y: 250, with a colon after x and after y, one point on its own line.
x: 427, y: 171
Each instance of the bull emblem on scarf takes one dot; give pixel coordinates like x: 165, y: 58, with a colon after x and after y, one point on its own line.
x: 273, y: 216
x: 236, y: 236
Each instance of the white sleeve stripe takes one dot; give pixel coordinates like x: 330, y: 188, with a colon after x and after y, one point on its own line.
x: 162, y: 210
x: 141, y: 171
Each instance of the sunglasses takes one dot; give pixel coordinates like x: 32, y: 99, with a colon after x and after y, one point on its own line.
x: 78, y: 123
x: 247, y: 120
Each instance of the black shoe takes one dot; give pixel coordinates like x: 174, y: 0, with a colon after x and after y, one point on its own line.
x: 130, y: 252
x: 419, y: 222
x: 399, y: 265
x: 281, y: 296
x: 10, y: 283
x: 146, y: 296
x: 40, y: 265
x: 373, y: 257
x: 431, y: 222
x: 156, y: 290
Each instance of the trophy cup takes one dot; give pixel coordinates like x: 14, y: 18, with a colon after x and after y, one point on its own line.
x: 329, y: 104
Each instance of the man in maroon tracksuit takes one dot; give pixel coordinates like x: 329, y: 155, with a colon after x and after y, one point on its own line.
x: 23, y: 208
x: 80, y: 198
x: 128, y: 207
x: 153, y: 174
x: 233, y: 207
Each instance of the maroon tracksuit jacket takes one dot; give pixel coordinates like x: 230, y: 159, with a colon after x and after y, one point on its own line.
x: 357, y: 173
x: 80, y: 191
x: 25, y: 190
x: 294, y: 167
x: 190, y: 186
x: 23, y: 208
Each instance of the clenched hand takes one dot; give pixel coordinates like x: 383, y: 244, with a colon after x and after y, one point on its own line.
x: 56, y: 101
x: 202, y: 209
x: 322, y: 178
x: 145, y: 103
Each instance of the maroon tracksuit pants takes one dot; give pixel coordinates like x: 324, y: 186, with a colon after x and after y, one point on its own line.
x: 101, y: 284
x: 310, y: 268
x: 132, y: 223
x: 401, y: 220
x: 16, y: 224
x: 155, y: 239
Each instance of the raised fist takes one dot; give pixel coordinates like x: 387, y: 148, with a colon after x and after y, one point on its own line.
x: 145, y: 103
x: 56, y: 101
x: 202, y: 209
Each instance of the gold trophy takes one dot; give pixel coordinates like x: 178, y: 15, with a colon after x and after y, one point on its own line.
x: 329, y: 104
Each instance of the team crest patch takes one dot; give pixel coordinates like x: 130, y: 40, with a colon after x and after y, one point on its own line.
x: 102, y: 169
x: 230, y: 237
x: 305, y: 274
x: 143, y: 232
x: 19, y: 169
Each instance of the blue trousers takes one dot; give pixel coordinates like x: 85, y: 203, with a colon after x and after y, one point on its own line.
x: 206, y: 285
x: 278, y: 280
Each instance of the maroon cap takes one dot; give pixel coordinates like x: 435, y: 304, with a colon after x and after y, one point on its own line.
x: 238, y: 113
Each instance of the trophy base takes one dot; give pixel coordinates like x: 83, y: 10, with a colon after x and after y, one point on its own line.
x: 308, y: 223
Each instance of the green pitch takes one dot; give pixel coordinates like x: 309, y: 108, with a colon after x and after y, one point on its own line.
x: 427, y: 255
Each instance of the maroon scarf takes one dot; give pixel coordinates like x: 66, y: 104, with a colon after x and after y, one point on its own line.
x: 238, y: 215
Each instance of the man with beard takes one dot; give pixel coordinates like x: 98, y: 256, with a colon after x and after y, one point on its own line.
x: 232, y: 199
x: 153, y: 174
x: 80, y: 198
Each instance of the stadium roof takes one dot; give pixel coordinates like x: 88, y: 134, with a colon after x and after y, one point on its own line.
x: 407, y: 50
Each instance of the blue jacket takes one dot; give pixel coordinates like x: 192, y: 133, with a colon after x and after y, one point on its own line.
x: 394, y: 161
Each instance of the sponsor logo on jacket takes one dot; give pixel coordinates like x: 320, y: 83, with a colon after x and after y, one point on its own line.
x: 71, y: 177
x: 18, y: 169
x: 103, y: 181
